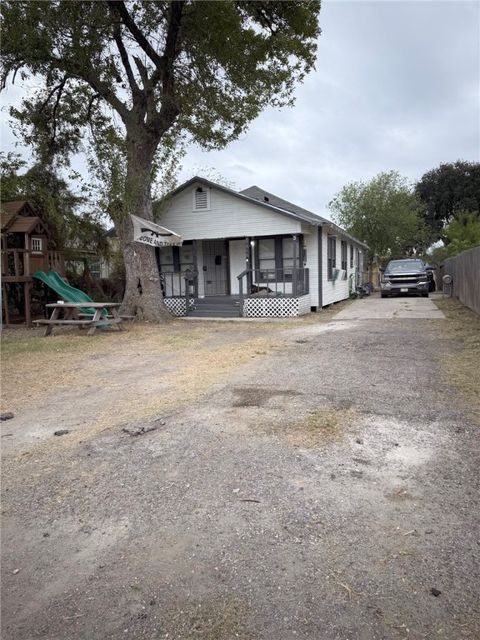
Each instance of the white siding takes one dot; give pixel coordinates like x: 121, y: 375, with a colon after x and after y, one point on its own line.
x: 336, y: 290
x: 311, y: 244
x: 237, y: 261
x: 231, y: 217
x: 228, y: 217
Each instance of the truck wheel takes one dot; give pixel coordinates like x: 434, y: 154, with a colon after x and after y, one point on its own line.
x: 383, y: 295
x: 425, y: 295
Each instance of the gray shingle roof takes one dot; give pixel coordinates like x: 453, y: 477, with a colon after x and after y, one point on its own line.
x: 269, y: 198
x: 270, y: 201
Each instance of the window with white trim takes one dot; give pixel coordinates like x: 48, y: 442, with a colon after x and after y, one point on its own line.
x: 201, y: 199
x: 351, y: 256
x: 37, y: 245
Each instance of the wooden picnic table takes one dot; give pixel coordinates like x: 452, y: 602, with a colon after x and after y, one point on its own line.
x: 73, y: 316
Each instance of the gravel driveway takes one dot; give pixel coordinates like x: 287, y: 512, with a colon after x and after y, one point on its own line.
x: 328, y: 490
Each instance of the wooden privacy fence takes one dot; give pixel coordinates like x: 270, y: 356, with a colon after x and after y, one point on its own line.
x: 465, y: 271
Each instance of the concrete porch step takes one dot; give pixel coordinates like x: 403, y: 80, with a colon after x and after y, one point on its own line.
x: 214, y: 313
x: 216, y: 307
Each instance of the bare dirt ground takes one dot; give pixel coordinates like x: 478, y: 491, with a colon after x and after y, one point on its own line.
x: 313, y: 479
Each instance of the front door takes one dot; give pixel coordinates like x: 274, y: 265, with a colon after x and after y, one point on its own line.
x: 215, y: 267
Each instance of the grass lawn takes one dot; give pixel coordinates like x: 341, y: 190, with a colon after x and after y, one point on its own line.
x: 462, y: 368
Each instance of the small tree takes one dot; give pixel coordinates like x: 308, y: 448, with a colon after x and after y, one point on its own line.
x: 148, y: 73
x: 384, y: 213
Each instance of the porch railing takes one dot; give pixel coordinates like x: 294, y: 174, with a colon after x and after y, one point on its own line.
x: 179, y: 284
x: 272, y: 283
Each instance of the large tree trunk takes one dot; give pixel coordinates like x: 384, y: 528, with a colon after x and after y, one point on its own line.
x: 143, y: 295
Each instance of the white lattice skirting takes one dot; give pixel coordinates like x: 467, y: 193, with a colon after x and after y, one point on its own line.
x: 177, y: 306
x: 276, y: 307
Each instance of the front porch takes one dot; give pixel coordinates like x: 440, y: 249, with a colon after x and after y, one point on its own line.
x: 259, y: 303
x: 246, y: 277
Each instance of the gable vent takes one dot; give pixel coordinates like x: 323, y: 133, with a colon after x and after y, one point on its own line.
x: 201, y: 199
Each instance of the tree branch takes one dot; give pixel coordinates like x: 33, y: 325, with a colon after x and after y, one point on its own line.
x: 94, y: 97
x: 169, y: 109
x: 171, y: 50
x: 120, y: 8
x: 58, y: 88
x: 117, y: 34
x: 101, y: 87
x: 55, y: 107
x: 142, y: 70
x: 147, y: 84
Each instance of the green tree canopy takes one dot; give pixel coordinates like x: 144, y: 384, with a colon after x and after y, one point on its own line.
x: 147, y: 73
x: 447, y: 191
x: 384, y: 213
x: 461, y: 234
x: 73, y: 226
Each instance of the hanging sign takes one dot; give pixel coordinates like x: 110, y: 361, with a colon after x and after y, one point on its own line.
x: 153, y: 234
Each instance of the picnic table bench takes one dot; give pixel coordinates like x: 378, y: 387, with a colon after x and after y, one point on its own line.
x: 74, y: 316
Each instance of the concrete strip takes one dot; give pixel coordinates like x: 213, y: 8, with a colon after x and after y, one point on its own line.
x: 375, y: 308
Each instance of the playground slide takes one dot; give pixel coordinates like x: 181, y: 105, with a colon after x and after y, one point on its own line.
x: 64, y: 290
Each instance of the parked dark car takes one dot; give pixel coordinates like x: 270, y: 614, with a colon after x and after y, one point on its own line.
x: 407, y: 276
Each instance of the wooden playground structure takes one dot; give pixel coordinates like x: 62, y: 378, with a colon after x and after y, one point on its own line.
x: 25, y: 250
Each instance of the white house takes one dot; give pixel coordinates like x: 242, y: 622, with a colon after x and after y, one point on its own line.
x: 251, y: 253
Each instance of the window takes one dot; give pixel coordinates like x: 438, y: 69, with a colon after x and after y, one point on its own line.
x: 274, y: 257
x: 344, y: 257
x: 351, y: 256
x: 266, y: 257
x: 201, y: 199
x: 167, y: 263
x: 287, y: 257
x: 331, y: 256
x: 186, y: 257
x: 94, y: 267
x: 37, y: 245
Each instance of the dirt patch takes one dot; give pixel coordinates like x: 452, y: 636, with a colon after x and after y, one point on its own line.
x: 259, y: 396
x: 215, y: 620
x: 461, y: 367
x: 319, y: 428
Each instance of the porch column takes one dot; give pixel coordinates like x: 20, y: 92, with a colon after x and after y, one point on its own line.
x: 195, y: 268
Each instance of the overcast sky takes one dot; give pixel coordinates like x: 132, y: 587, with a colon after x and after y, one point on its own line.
x: 396, y: 86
